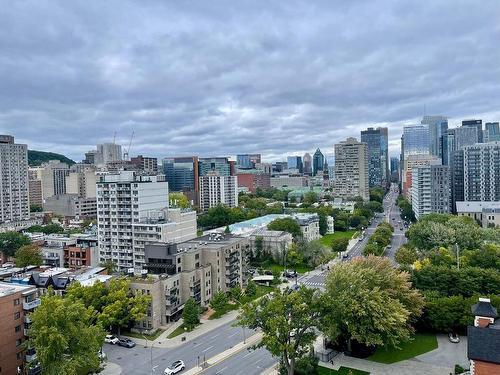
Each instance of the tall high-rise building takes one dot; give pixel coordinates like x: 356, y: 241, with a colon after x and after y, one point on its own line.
x: 248, y: 161
x: 123, y: 199
x: 14, y: 199
x: 430, y: 190
x: 220, y: 165
x: 295, y: 162
x: 307, y: 161
x: 182, y: 175
x: 491, y: 132
x: 481, y: 172
x: 437, y: 127
x: 455, y: 139
x: 378, y: 155
x: 82, y: 181
x: 395, y: 169
x: 106, y: 153
x: 318, y: 162
x: 216, y: 189
x: 351, y: 169
x: 145, y: 163
x: 414, y: 141
x: 478, y: 124
x: 413, y: 161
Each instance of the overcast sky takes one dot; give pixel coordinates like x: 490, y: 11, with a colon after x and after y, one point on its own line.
x: 226, y: 77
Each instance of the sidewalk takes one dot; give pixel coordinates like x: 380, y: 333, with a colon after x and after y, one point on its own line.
x: 407, y: 367
x: 252, y: 340
x: 206, y: 326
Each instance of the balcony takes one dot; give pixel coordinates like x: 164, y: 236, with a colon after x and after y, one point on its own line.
x: 27, y: 319
x: 31, y: 305
x: 26, y: 332
x: 30, y: 355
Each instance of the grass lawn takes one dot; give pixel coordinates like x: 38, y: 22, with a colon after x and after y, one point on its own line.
x: 275, y: 267
x: 327, y: 239
x: 261, y: 291
x: 341, y: 371
x: 422, y: 343
x: 136, y: 335
x: 178, y: 331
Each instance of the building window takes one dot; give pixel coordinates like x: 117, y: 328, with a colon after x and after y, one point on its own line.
x: 17, y: 329
x: 16, y: 302
x: 17, y: 315
x: 19, y: 342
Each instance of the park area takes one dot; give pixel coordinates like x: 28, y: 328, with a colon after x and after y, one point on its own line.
x: 421, y: 343
x: 328, y: 239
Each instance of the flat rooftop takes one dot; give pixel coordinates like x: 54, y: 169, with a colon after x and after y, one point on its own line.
x: 208, y: 241
x: 8, y: 288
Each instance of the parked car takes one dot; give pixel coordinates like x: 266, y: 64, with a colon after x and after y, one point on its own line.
x: 111, y: 339
x: 289, y: 273
x: 345, y: 254
x: 126, y: 343
x: 175, y: 367
x: 453, y: 337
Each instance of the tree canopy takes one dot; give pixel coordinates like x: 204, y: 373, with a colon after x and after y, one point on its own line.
x: 286, y: 224
x: 371, y: 302
x: 65, y: 337
x: 191, y: 314
x: 178, y: 200
x: 28, y: 255
x: 288, y: 321
x: 10, y: 242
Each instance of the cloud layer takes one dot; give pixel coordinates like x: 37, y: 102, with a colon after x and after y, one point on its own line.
x: 227, y: 77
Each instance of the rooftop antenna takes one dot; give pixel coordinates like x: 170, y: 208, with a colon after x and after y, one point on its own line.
x: 126, y: 153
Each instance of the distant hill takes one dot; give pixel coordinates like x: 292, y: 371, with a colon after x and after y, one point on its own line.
x: 36, y: 158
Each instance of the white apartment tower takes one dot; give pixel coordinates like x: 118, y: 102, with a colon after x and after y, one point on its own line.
x: 216, y: 189
x: 14, y: 202
x: 431, y: 190
x: 351, y: 169
x: 123, y: 199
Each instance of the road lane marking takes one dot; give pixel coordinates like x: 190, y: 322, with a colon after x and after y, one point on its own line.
x: 220, y: 371
x: 213, y: 337
x: 210, y: 347
x: 234, y: 334
x: 249, y: 353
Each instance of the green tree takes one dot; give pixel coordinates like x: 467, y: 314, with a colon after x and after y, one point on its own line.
x: 178, y: 200
x: 219, y: 300
x: 377, y: 194
x: 369, y: 301
x: 28, y: 255
x: 406, y: 255
x: 288, y: 321
x: 191, y: 314
x: 313, y: 252
x: 10, y: 242
x: 310, y: 197
x: 251, y: 289
x: 236, y: 293
x: 293, y: 256
x: 259, y: 247
x: 488, y: 256
x: 286, y: 224
x: 116, y: 305
x: 340, y: 244
x: 65, y: 340
x: 109, y: 265
x: 36, y: 208
x: 46, y: 229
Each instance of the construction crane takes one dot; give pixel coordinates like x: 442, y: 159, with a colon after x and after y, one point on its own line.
x: 126, y: 153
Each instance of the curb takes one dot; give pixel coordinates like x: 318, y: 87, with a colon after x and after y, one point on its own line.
x: 215, y: 360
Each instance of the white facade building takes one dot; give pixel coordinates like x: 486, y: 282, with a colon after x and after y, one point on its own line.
x: 14, y: 202
x: 124, y: 199
x: 431, y: 190
x: 216, y: 189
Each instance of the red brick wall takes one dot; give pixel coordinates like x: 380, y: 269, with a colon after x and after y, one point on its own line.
x: 486, y: 368
x: 8, y: 335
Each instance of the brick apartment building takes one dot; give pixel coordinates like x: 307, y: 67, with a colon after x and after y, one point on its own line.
x: 483, y: 339
x: 16, y: 302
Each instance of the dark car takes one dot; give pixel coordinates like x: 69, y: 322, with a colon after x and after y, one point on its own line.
x: 126, y: 343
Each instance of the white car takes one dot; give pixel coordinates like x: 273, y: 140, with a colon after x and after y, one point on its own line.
x: 111, y: 339
x: 175, y: 367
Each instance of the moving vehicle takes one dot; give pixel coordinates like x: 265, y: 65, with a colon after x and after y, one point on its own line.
x: 345, y: 254
x: 111, y: 339
x: 126, y: 343
x: 175, y: 367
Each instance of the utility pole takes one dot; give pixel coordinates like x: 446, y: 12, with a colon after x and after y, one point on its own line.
x: 458, y: 256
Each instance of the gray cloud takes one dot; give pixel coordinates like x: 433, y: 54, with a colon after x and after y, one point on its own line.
x: 222, y: 77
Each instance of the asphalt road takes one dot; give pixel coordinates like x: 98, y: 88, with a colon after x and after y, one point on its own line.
x: 246, y: 362
x: 138, y: 360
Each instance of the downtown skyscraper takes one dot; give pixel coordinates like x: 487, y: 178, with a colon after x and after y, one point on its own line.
x: 378, y: 156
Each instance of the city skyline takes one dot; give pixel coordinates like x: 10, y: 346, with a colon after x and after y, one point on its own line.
x: 204, y: 81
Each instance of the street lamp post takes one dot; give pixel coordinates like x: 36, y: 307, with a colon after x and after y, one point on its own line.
x: 457, y: 249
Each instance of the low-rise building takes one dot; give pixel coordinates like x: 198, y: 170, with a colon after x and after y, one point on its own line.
x: 487, y: 214
x: 274, y: 242
x: 193, y: 269
x: 84, y: 253
x: 483, y: 339
x: 309, y: 226
x: 253, y: 179
x: 289, y: 181
x: 16, y: 303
